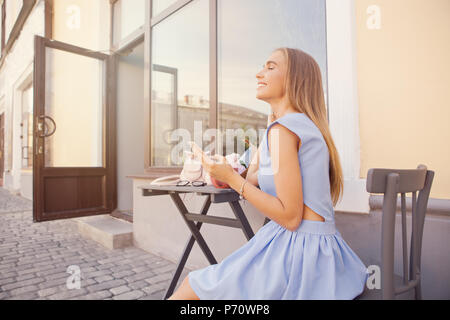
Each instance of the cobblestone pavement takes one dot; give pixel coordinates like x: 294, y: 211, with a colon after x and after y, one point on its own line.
x: 11, y: 203
x: 34, y: 261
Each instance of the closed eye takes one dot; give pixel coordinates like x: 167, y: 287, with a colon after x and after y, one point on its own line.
x: 268, y: 68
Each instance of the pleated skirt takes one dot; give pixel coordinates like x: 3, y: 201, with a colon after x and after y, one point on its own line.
x: 312, y: 262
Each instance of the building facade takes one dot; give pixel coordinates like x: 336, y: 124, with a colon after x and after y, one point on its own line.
x: 90, y: 92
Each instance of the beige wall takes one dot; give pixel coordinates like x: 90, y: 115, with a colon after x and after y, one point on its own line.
x: 83, y: 23
x: 403, y: 87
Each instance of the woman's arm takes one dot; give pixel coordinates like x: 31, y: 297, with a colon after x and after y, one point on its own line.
x: 286, y: 209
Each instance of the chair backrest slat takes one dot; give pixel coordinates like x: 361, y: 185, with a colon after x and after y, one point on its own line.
x: 390, y: 182
x: 413, y: 237
x: 410, y: 179
x: 387, y: 236
x: 420, y: 212
x: 404, y: 241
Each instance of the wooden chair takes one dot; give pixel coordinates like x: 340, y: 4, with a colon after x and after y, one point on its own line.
x: 390, y: 182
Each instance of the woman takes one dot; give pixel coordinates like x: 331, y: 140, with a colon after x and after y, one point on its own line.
x: 299, y: 254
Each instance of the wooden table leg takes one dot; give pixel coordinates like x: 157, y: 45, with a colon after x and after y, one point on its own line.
x: 187, y: 250
x: 239, y: 213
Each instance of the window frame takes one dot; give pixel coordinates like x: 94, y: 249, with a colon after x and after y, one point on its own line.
x: 130, y: 40
x: 341, y: 95
x: 150, y: 22
x: 48, y: 19
x: 173, y: 72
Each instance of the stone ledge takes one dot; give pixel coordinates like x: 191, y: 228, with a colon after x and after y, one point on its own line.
x: 110, y: 232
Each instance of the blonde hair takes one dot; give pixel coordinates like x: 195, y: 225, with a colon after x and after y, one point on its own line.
x: 305, y: 92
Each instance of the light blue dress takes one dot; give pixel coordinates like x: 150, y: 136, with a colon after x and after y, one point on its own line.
x: 312, y: 262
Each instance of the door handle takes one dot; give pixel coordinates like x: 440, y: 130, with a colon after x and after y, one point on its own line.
x: 40, y: 127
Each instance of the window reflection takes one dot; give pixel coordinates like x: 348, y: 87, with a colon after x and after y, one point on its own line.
x: 179, y: 80
x: 248, y: 32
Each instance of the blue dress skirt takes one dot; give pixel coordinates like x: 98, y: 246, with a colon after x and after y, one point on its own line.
x: 313, y: 262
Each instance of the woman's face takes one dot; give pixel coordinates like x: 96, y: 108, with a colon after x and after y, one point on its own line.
x: 271, y: 79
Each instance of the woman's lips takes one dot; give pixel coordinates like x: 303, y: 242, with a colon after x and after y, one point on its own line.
x: 261, y: 85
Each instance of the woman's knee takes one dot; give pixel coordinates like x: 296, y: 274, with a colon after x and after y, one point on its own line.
x: 184, y: 292
x: 188, y: 288
x: 185, y: 283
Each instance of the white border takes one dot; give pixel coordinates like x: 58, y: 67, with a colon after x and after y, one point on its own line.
x: 343, y: 101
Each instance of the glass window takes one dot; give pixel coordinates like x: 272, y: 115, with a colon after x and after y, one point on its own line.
x: 75, y: 104
x: 27, y: 128
x: 159, y: 5
x: 179, y: 80
x: 248, y: 32
x: 129, y: 15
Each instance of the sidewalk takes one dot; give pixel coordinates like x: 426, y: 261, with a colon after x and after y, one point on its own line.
x: 34, y: 260
x: 10, y: 203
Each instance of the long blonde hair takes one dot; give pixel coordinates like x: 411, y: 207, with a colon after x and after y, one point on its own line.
x: 305, y: 92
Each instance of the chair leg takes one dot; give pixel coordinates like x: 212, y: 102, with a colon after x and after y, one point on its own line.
x: 418, y: 292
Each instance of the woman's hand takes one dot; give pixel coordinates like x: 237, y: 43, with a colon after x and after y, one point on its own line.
x: 217, y: 166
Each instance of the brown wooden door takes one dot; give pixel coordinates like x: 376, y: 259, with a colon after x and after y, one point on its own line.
x: 74, y: 167
x: 2, y: 147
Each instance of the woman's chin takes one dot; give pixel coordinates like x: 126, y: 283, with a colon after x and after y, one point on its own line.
x: 260, y: 97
